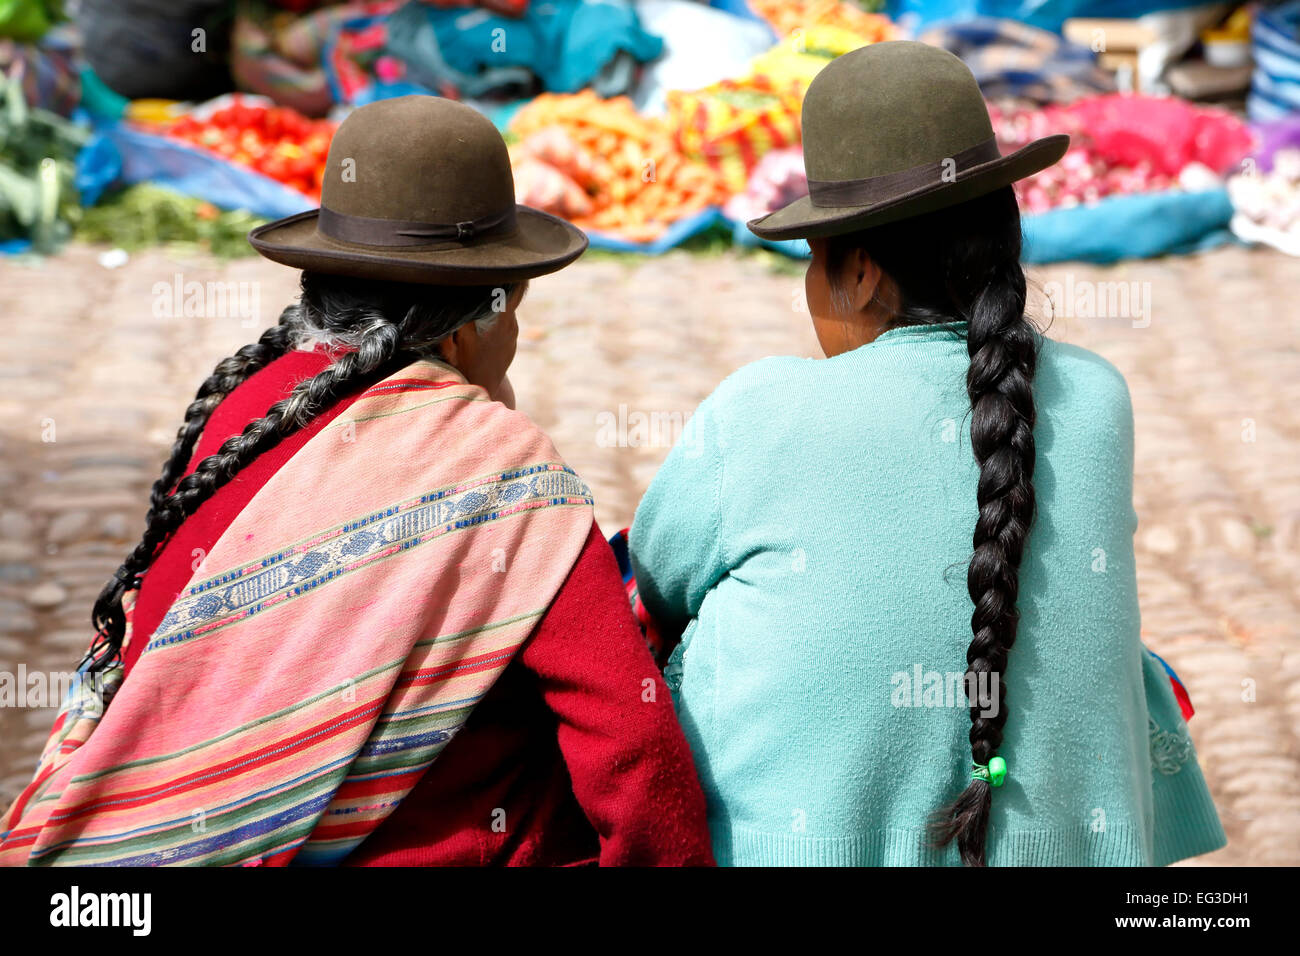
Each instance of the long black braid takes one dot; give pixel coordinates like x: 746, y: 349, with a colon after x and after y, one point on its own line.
x: 229, y: 373
x: 963, y: 264
x: 382, y: 325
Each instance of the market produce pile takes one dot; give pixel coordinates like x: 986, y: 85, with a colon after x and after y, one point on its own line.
x: 732, y: 124
x: 610, y: 170
x: 619, y: 117
x: 787, y: 16
x: 595, y: 161
x: 1121, y: 145
x: 144, y: 216
x: 275, y: 141
x: 777, y: 180
x: 605, y: 168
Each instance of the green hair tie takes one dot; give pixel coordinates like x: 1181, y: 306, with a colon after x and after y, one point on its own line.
x: 993, y: 773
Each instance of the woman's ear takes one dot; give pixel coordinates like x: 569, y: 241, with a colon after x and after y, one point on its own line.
x: 447, y: 349
x: 864, y: 280
x: 458, y: 348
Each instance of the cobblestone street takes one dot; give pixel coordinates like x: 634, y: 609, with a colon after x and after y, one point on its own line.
x: 93, y: 385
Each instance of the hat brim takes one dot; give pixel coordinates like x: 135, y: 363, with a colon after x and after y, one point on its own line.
x: 802, y: 220
x: 541, y: 244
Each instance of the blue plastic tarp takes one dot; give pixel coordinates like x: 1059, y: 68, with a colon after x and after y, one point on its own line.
x: 739, y: 8
x: 1130, y: 227
x: 1139, y: 226
x: 120, y: 155
x: 1048, y: 14
x: 795, y: 248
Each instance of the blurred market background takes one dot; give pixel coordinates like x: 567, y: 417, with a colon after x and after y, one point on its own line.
x: 140, y: 140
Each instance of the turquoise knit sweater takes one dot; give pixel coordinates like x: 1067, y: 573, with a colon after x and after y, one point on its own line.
x: 809, y: 536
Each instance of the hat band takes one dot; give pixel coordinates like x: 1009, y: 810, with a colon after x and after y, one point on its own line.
x: 874, y: 189
x: 405, y: 232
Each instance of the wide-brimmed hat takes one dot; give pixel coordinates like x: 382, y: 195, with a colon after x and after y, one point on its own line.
x: 419, y: 189
x: 893, y: 130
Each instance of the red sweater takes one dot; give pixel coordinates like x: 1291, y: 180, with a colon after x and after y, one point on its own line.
x: 564, y: 761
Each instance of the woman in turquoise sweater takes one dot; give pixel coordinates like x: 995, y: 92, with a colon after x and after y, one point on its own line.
x: 849, y: 700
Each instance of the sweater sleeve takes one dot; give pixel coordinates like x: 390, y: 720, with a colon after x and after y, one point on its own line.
x: 632, y: 771
x: 675, y: 542
x: 1186, y: 821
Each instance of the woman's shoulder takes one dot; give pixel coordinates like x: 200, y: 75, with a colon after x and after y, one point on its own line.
x: 1072, y: 377
x: 760, y: 387
x: 1071, y: 381
x: 446, y: 419
x: 1085, y: 416
x: 512, y: 435
x: 760, y: 375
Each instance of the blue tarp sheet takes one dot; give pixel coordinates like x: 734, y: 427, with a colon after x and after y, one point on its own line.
x: 677, y: 233
x: 1118, y: 227
x: 1130, y: 227
x: 1048, y: 14
x: 119, y: 155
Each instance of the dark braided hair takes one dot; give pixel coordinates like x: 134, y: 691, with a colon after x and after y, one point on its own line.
x: 228, y: 374
x: 380, y: 326
x: 957, y: 264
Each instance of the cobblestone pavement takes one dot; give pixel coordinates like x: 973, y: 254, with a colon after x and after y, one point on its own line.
x: 1215, y: 378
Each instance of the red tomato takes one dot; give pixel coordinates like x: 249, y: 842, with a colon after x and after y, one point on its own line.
x: 275, y: 167
x: 277, y: 141
x: 240, y: 116
x: 302, y: 168
x: 318, y: 143
x: 296, y: 125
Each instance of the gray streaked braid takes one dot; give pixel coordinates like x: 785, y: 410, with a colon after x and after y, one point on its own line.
x: 229, y: 373
x: 383, y: 325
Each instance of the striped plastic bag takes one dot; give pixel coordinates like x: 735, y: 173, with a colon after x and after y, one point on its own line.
x: 731, y: 125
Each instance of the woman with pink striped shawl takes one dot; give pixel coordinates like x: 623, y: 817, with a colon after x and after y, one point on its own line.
x: 371, y: 619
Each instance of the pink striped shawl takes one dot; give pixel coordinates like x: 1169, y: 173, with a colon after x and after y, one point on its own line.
x: 336, y: 637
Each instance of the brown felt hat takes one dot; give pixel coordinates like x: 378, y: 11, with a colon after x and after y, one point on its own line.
x: 419, y: 189
x: 894, y: 130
